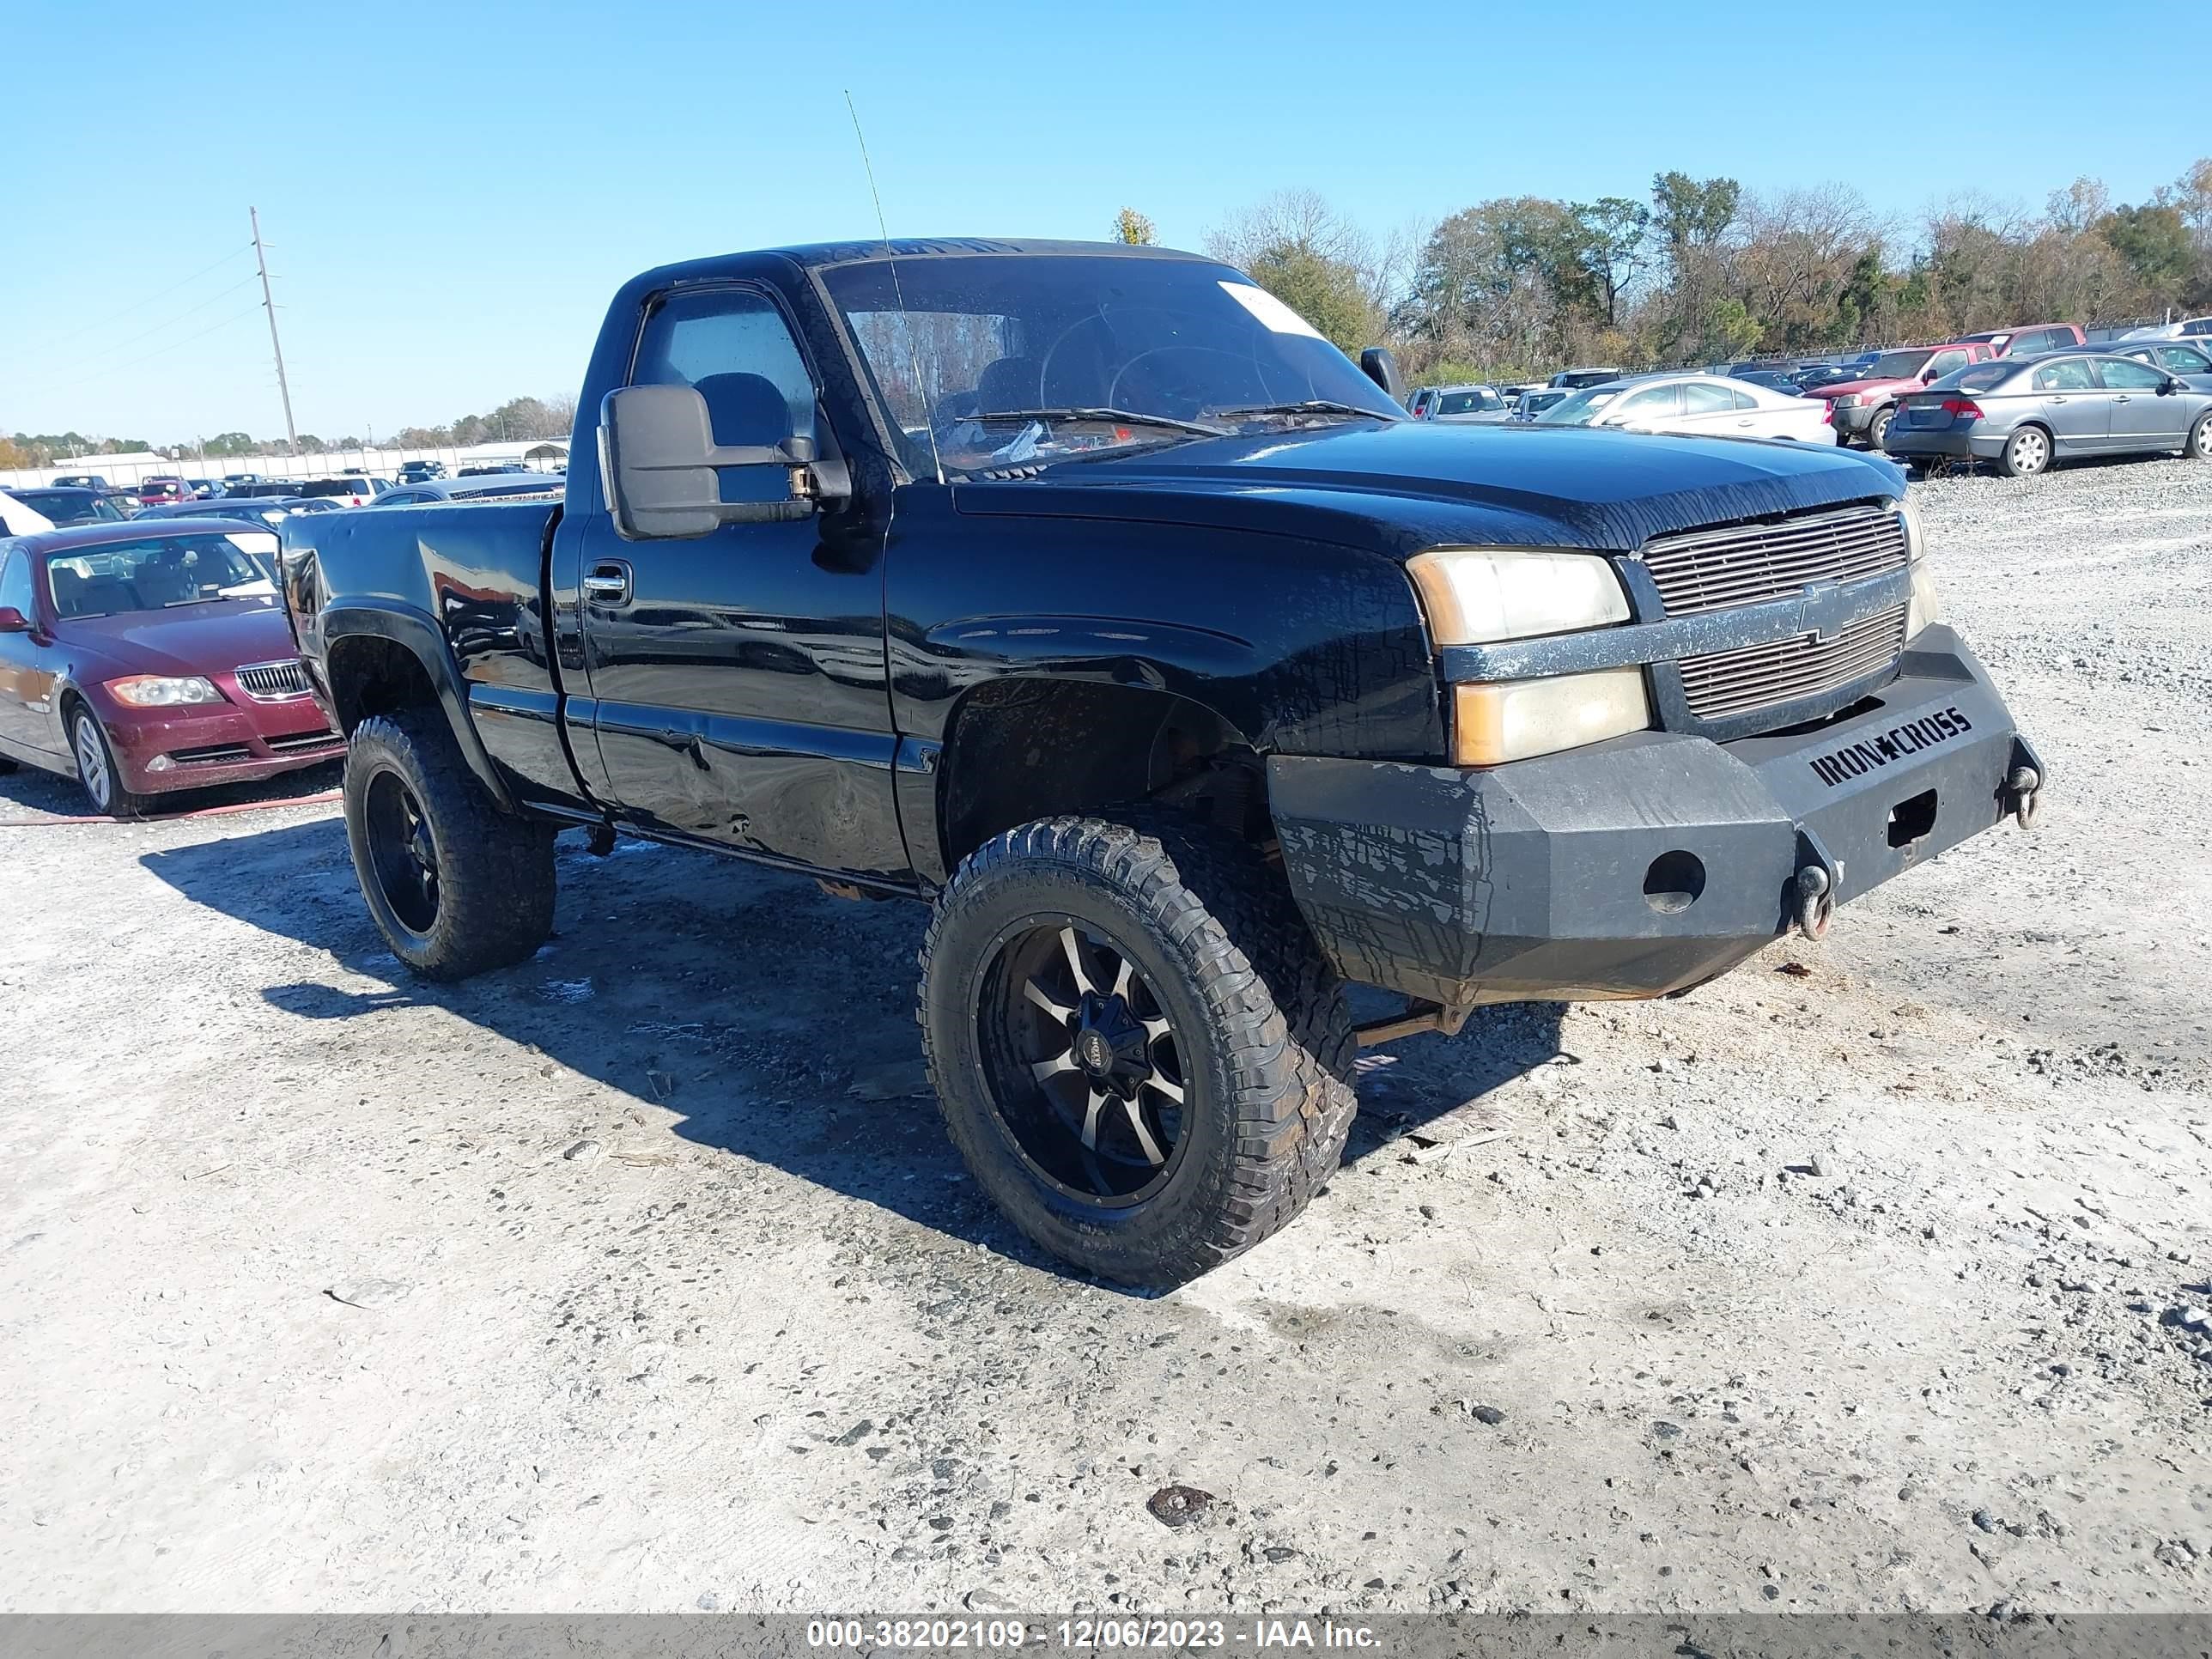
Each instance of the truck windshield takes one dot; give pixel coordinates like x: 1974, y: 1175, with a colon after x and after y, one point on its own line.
x: 1008, y: 358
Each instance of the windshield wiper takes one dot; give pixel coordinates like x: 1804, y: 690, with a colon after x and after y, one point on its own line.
x: 1310, y: 406
x: 1116, y: 416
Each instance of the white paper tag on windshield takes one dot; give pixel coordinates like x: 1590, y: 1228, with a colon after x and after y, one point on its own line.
x: 1271, y: 312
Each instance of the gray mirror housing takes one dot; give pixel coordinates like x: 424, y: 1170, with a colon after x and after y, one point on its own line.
x: 659, y: 465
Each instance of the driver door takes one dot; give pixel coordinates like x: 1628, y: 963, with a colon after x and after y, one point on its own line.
x: 1654, y: 409
x: 26, y: 667
x: 2143, y: 416
x: 741, y: 692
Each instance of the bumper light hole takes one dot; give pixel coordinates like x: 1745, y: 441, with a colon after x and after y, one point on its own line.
x: 1674, y: 882
x: 1911, y: 820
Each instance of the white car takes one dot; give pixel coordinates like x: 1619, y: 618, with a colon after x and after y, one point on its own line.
x: 17, y: 519
x: 2187, y: 328
x: 1695, y: 405
x: 347, y: 490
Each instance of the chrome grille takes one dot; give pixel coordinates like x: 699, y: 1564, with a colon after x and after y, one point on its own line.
x: 1725, y: 683
x: 273, y: 682
x: 1702, y: 570
x: 1744, y: 563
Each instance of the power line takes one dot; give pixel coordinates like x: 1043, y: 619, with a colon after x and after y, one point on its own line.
x: 160, y: 327
x: 163, y: 351
x: 163, y: 293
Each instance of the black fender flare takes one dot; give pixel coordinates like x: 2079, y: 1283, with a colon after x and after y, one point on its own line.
x: 418, y: 633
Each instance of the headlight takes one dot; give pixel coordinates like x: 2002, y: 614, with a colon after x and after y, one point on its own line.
x: 1480, y: 595
x: 162, y: 690
x: 1849, y: 400
x: 1926, y: 605
x: 1516, y: 720
x: 1483, y: 595
x: 1916, y: 538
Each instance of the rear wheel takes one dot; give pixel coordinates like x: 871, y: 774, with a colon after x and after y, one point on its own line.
x: 96, y: 769
x: 1136, y: 1045
x: 2199, y: 447
x: 2026, y: 454
x: 454, y: 884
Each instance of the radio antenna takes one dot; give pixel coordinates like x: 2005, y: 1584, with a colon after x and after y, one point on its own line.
x: 898, y: 294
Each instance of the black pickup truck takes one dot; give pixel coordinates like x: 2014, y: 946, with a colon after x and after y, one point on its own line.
x: 1088, y: 594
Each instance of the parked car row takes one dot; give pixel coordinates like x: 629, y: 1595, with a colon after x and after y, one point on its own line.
x: 2027, y: 413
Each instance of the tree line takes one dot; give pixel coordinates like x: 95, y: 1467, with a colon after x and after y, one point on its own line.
x: 1699, y: 271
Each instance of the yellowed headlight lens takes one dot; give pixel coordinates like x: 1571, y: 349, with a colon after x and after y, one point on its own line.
x: 1480, y: 595
x: 1516, y: 720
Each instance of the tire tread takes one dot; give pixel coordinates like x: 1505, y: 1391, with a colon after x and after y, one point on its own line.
x: 1281, y: 1026
x: 496, y: 881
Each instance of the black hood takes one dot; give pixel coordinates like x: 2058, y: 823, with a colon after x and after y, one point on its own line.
x: 1401, y: 487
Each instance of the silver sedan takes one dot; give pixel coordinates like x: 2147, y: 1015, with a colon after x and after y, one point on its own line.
x: 2027, y: 415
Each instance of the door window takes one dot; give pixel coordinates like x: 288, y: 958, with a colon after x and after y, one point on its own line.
x: 1656, y: 403
x: 1698, y: 398
x: 2122, y: 375
x: 2069, y: 374
x: 1943, y: 362
x: 2185, y: 360
x: 733, y: 348
x: 15, y: 580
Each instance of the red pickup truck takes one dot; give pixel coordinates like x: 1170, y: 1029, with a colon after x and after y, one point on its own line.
x: 1862, y: 407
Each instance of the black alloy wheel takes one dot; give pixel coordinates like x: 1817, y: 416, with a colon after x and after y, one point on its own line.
x: 402, y: 851
x: 1083, y: 1065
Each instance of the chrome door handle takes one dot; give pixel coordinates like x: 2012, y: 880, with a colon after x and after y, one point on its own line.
x: 609, y: 582
x: 2124, y: 398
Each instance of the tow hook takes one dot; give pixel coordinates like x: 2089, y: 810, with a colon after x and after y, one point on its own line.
x: 1812, y: 890
x: 2024, y: 787
x: 1816, y: 903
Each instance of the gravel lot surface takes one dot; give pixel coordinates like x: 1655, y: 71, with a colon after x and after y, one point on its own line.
x: 1872, y: 1277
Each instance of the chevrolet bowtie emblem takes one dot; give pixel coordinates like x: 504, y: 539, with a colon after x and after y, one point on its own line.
x: 1819, y: 611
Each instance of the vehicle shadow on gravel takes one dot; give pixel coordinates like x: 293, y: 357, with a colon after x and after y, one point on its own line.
x: 29, y: 796
x: 776, y: 1023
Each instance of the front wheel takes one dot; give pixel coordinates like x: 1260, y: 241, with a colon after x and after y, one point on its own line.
x: 2026, y: 454
x: 1878, y: 429
x: 454, y: 884
x: 2199, y: 447
x: 96, y: 769
x: 1136, y: 1045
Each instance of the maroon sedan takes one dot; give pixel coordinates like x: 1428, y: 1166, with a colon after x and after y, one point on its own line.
x: 145, y: 658
x: 163, y: 492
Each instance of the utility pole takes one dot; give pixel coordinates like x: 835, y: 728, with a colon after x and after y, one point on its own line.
x: 269, y: 304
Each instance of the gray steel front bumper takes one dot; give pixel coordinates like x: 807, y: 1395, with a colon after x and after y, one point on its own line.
x: 1644, y: 865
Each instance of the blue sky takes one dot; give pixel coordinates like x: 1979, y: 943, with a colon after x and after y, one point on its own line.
x: 452, y: 192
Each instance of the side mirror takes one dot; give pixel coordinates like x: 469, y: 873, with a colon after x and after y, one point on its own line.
x: 2172, y: 384
x: 1380, y: 366
x: 13, y: 620
x: 659, y: 465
